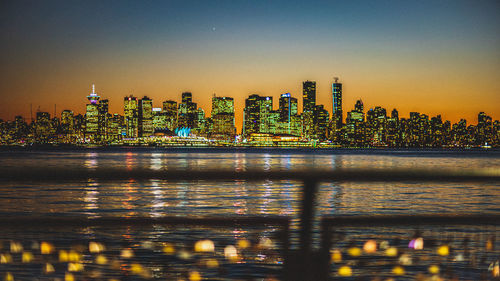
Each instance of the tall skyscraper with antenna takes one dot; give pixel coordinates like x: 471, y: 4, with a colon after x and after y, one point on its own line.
x: 92, y: 116
x: 95, y: 117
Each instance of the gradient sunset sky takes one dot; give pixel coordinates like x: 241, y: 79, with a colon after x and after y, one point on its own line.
x: 434, y: 57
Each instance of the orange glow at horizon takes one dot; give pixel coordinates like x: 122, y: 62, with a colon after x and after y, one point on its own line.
x: 402, y: 55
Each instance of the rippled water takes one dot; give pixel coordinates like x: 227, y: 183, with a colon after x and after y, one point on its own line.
x: 158, y: 198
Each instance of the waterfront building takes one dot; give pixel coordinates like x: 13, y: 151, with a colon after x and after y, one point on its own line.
x: 102, y: 127
x: 375, y: 128
x: 321, y: 117
x: 170, y: 113
x: 251, y: 115
x: 265, y: 110
x: 289, y: 119
x: 308, y: 96
x: 437, y: 131
x: 116, y: 128
x: 287, y: 107
x: 484, y: 131
x: 67, y: 122
x: 43, y: 127
x: 393, y: 136
x: 257, y: 115
x: 337, y: 103
x: 200, y: 122
x: 146, y: 117
x: 187, y: 112
x: 355, y: 125
x: 92, y: 117
x: 131, y: 116
x: 223, y: 117
x: 308, y: 107
x: 159, y: 120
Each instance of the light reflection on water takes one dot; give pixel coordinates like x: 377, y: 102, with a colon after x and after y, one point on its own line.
x: 157, y: 198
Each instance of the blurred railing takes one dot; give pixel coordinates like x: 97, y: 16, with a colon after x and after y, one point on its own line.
x: 304, y: 264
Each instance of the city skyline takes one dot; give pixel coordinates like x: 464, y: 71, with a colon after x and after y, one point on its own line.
x: 57, y: 110
x: 94, y: 96
x: 185, y: 123
x: 437, y: 58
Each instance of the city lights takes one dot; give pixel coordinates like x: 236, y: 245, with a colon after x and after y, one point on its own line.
x: 185, y: 124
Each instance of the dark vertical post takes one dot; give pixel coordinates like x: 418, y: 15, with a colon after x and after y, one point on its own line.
x: 285, y: 238
x: 324, y: 252
x: 306, y: 222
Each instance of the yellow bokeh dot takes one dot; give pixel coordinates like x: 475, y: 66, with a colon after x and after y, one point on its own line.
x: 5, y: 258
x: 243, y: 244
x: 212, y: 263
x: 336, y: 256
x: 345, y: 271
x: 63, y: 256
x: 266, y: 243
x: 391, y: 252
x: 75, y: 267
x: 136, y: 268
x: 16, y: 247
x: 168, y: 249
x: 204, y: 246
x: 69, y: 277
x: 398, y: 270
x: 434, y: 269
x: 101, y: 259
x: 231, y: 253
x: 46, y: 248
x: 9, y: 277
x: 443, y: 250
x: 74, y: 256
x: 49, y: 268
x: 370, y: 246
x: 95, y: 247
x: 27, y: 257
x: 194, y: 276
x: 127, y: 253
x: 354, y: 251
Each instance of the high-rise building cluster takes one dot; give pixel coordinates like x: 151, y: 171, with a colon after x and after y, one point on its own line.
x: 264, y: 124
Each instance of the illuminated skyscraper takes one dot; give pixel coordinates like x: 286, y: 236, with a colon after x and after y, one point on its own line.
x: 170, y: 112
x: 67, y: 122
x: 291, y: 123
x: 43, y: 127
x: 308, y: 107
x: 102, y: 128
x: 251, y: 115
x: 308, y: 96
x: 287, y: 107
x: 146, y: 117
x: 355, y: 127
x: 200, y: 122
x: 337, y: 103
x: 92, y: 117
x: 187, y: 111
x: 393, y: 135
x: 265, y: 112
x: 131, y: 116
x: 223, y: 116
x: 259, y: 115
x: 376, y: 123
x: 321, y: 117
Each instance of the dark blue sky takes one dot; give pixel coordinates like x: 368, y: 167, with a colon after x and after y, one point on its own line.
x: 382, y: 50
